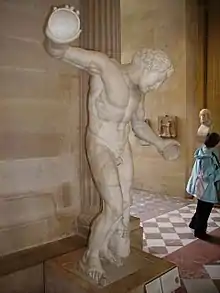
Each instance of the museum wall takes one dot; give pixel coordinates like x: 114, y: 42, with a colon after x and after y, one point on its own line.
x: 160, y: 24
x: 213, y: 62
x: 41, y: 119
x: 194, y: 77
x: 39, y: 132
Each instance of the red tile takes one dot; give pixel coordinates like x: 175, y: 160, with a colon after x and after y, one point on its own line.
x: 191, y: 258
x: 181, y: 290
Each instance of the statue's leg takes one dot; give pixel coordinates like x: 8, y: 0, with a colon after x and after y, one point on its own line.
x: 121, y: 239
x: 105, y: 174
x: 126, y: 172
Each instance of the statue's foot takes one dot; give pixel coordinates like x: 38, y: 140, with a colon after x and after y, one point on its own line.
x: 106, y: 254
x: 93, y: 268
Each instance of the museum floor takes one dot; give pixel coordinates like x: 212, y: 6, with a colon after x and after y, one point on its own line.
x: 166, y: 234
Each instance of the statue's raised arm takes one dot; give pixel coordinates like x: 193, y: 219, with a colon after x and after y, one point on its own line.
x: 62, y: 28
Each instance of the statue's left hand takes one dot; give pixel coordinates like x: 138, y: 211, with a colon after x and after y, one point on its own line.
x: 169, y: 149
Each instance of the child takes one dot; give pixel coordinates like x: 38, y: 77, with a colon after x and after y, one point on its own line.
x: 203, y: 183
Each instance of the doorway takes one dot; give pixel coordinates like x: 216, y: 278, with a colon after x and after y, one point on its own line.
x: 211, y: 55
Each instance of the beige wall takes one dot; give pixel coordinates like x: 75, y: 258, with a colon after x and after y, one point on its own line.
x: 213, y: 61
x: 39, y: 132
x: 194, y: 78
x: 159, y: 24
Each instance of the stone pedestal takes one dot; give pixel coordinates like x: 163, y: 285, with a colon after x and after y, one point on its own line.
x: 27, y: 280
x: 136, y: 233
x: 141, y: 272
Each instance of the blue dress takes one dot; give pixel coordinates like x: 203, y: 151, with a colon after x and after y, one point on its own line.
x: 206, y: 168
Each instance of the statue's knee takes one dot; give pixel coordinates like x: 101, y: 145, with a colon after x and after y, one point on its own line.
x: 126, y: 205
x: 116, y: 212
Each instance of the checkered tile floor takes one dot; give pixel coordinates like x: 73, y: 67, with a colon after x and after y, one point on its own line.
x: 214, y: 273
x: 205, y: 285
x: 168, y: 232
x: 147, y: 205
x: 165, y: 222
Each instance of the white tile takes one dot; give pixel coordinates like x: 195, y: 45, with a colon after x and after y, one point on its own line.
x: 171, y: 249
x: 173, y: 212
x: 153, y: 220
x: 170, y: 236
x: 213, y: 271
x: 215, y: 214
x: 192, y: 205
x: 175, y: 215
x: 210, y: 229
x: 164, y: 225
x: 165, y: 216
x: 160, y: 255
x: 192, y: 211
x: 184, y: 208
x: 155, y: 242
x: 182, y: 229
x: 161, y: 209
x: 146, y: 249
x: 200, y: 286
x: 176, y: 220
x: 187, y: 241
x: 151, y: 230
x: 186, y: 215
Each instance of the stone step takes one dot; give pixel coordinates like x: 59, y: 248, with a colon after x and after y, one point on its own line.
x: 141, y: 272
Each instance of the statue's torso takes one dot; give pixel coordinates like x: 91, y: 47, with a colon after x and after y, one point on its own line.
x: 108, y: 121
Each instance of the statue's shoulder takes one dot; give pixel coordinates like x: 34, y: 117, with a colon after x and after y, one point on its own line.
x: 116, y: 63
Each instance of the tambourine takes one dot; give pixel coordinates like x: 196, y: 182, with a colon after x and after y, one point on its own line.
x: 63, y: 25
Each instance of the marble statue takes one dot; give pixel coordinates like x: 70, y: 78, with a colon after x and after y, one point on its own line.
x: 116, y: 104
x: 205, y: 123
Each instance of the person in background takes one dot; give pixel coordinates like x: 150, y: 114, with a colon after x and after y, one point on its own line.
x: 204, y: 183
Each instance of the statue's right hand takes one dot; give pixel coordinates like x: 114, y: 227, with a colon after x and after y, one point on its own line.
x: 63, y: 26
x: 55, y: 50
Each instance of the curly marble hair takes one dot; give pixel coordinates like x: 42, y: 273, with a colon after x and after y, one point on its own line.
x: 153, y: 60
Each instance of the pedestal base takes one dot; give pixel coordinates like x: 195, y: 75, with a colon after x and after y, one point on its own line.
x: 141, y: 272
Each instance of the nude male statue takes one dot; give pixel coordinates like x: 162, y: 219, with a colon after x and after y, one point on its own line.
x: 116, y: 104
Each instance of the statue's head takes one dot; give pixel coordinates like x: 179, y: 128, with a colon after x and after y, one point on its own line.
x: 205, y: 117
x: 154, y: 67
